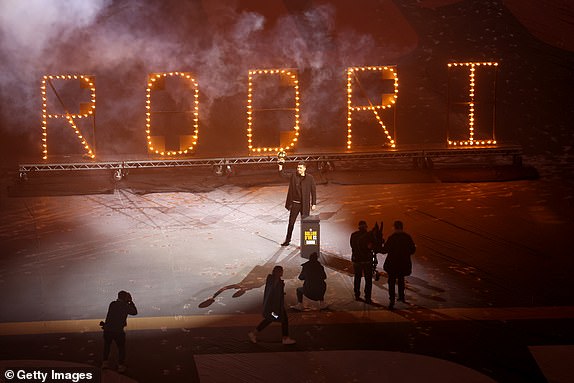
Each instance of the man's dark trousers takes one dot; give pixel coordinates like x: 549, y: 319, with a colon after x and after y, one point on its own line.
x: 120, y: 338
x: 366, y: 269
x: 293, y: 214
x: 401, y: 281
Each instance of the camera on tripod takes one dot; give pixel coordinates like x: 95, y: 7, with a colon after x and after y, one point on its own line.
x: 377, y: 247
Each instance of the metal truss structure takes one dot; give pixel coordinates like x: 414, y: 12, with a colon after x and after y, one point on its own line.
x: 422, y: 157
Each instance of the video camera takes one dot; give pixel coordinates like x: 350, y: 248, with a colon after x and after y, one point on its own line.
x: 377, y: 242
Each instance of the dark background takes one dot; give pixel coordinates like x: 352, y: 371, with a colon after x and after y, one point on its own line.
x: 121, y: 42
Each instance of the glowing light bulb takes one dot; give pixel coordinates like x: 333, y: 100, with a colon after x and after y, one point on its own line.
x: 189, y: 79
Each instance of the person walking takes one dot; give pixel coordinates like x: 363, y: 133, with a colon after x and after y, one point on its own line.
x: 314, y: 286
x: 399, y: 247
x: 274, y: 307
x: 301, y: 196
x: 116, y: 320
x: 362, y: 258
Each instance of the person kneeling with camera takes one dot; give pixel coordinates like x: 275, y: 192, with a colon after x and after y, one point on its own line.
x: 314, y: 286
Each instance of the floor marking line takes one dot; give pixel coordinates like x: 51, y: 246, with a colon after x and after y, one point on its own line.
x: 411, y: 314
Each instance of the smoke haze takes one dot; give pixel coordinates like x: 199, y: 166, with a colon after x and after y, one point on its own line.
x: 218, y: 41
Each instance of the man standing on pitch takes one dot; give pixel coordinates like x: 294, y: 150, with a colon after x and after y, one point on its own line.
x: 362, y: 258
x: 301, y: 196
x: 399, y: 247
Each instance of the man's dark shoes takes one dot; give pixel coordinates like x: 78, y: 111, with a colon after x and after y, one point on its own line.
x: 402, y: 300
x: 286, y: 243
x: 368, y: 301
x: 391, y: 305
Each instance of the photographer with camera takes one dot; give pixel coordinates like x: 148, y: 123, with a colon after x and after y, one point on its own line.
x: 113, y: 327
x: 362, y: 258
x: 314, y: 286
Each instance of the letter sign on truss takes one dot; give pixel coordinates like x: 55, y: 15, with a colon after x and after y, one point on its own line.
x: 291, y: 77
x: 472, y: 105
x: 187, y: 142
x: 86, y: 109
x: 388, y: 99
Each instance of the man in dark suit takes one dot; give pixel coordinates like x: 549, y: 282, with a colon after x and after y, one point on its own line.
x: 399, y: 247
x: 301, y: 196
x: 362, y: 257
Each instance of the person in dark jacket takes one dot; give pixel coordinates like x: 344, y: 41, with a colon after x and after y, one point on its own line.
x: 362, y: 258
x: 301, y: 196
x: 399, y: 247
x: 314, y: 286
x: 274, y: 306
x: 116, y: 320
